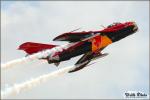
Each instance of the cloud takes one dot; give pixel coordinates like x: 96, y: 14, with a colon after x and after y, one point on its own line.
x: 124, y: 69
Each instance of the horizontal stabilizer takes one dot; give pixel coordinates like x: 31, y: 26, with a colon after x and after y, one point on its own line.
x: 31, y: 47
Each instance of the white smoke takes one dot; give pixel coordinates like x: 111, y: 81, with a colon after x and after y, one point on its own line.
x: 42, y: 54
x: 25, y: 59
x: 17, y: 88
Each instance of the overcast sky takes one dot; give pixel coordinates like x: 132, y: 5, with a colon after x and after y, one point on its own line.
x: 126, y: 68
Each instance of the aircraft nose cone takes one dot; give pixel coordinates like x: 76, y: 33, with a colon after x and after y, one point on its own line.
x: 135, y: 28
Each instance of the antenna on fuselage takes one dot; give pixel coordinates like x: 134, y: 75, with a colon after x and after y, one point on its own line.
x: 102, y: 26
x: 75, y: 30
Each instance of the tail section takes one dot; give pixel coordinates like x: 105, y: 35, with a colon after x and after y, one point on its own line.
x: 31, y: 47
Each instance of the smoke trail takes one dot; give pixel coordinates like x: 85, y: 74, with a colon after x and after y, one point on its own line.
x: 26, y: 59
x: 17, y: 88
x: 41, y: 54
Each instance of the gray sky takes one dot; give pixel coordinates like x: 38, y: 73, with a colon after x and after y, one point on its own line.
x: 126, y: 68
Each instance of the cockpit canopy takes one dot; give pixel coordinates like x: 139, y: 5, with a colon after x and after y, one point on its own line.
x: 113, y: 24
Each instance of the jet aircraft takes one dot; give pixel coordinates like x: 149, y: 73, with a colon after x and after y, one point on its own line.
x: 86, y: 43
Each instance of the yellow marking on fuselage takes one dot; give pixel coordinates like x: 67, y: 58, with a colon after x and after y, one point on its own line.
x: 99, y: 42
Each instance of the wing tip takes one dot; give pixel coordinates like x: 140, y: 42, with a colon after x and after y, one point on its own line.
x: 60, y: 37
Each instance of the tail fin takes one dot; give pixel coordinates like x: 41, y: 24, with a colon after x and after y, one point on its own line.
x: 31, y: 47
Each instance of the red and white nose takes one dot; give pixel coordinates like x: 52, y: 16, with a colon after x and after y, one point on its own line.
x: 135, y: 28
x: 133, y: 25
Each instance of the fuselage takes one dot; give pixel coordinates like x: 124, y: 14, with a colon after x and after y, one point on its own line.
x: 95, y: 43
